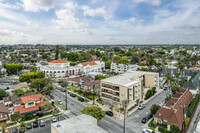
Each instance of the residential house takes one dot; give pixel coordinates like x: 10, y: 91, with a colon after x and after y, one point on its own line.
x: 172, y: 112
x: 4, y: 114
x: 30, y: 104
x: 89, y: 85
x: 11, y: 101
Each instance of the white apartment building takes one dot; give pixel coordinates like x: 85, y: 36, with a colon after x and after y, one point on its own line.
x: 59, y: 68
x: 62, y: 68
x: 121, y: 68
x: 93, y: 66
x: 131, y: 86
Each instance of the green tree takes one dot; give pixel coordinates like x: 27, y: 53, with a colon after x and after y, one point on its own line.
x: 15, y: 117
x: 104, y: 58
x: 148, y: 94
x: 98, y: 54
x: 187, y: 120
x: 39, y: 83
x: 19, y: 92
x: 27, y: 77
x: 73, y: 63
x: 153, y: 90
x: 57, y: 52
x: 123, y: 61
x: 174, y: 129
x: 13, y: 68
x: 46, y: 107
x: 33, y: 60
x: 99, y: 77
x: 48, y: 89
x: 22, y: 126
x: 93, y: 111
x: 44, y: 56
x: 154, y: 108
x: 3, y: 128
x: 33, y: 68
x: 135, y: 59
x: 3, y: 93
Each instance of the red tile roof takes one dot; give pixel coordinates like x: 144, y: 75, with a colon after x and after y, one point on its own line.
x: 22, y: 109
x: 77, y: 80
x: 174, y: 114
x: 59, y: 61
x: 3, y: 109
x: 31, y: 98
x: 89, y: 63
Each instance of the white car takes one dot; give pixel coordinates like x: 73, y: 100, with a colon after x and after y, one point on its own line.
x: 148, y: 131
x: 60, y: 102
x: 54, y: 119
x: 161, y: 104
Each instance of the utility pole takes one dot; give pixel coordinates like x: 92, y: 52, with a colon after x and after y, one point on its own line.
x: 93, y: 95
x: 66, y: 99
x: 124, y: 129
x: 183, y: 108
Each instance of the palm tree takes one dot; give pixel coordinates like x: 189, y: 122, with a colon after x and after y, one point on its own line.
x: 169, y: 81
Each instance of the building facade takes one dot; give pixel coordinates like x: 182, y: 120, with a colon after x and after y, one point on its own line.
x: 121, y: 68
x: 4, y: 114
x: 130, y: 86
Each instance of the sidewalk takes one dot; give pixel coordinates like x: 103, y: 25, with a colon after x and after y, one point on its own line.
x: 194, y: 121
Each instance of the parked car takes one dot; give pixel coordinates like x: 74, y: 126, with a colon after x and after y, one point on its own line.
x: 149, y: 116
x: 7, y: 88
x: 109, y: 113
x: 51, y: 96
x: 53, y: 119
x: 72, y: 95
x: 60, y: 102
x: 165, y: 88
x: 29, y: 126
x: 63, y: 90
x: 141, y: 106
x: 14, y: 130
x: 42, y: 123
x: 148, y: 131
x: 35, y: 124
x: 81, y: 99
x: 144, y: 120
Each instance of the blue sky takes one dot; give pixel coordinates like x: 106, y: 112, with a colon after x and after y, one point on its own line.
x: 100, y: 21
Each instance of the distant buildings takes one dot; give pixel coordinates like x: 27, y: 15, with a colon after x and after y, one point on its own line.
x: 172, y: 112
x: 79, y: 124
x: 131, y: 86
x: 27, y: 52
x: 121, y: 68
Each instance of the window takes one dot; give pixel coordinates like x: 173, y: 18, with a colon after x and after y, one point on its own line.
x: 30, y: 103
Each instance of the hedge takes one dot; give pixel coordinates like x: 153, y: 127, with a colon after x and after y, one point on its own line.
x: 162, y: 129
x: 192, y: 106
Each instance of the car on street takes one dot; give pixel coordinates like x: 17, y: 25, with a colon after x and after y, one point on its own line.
x: 109, y: 113
x: 53, y: 119
x: 35, y: 124
x: 14, y: 130
x: 144, y: 120
x: 29, y: 126
x: 141, y: 106
x: 51, y: 96
x: 148, y: 131
x: 149, y: 116
x: 161, y: 104
x: 42, y: 123
x: 165, y: 88
x: 72, y: 95
x: 63, y: 90
x: 81, y: 99
x: 60, y: 102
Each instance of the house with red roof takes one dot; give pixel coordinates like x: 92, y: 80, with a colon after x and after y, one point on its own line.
x: 30, y: 104
x: 172, y: 112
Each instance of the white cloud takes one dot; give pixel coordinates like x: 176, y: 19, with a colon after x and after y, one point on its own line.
x: 37, y: 5
x: 14, y: 37
x: 100, y: 12
x: 152, y: 2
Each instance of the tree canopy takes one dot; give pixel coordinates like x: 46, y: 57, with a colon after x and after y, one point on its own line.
x: 3, y: 93
x: 13, y: 68
x: 27, y: 77
x: 93, y: 111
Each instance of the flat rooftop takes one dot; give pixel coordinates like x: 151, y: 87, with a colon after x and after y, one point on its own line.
x: 126, y: 79
x: 79, y: 124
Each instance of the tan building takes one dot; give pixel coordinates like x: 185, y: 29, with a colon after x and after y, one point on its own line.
x: 131, y: 86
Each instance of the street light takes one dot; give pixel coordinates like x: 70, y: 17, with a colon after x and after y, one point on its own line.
x: 66, y: 99
x: 93, y: 95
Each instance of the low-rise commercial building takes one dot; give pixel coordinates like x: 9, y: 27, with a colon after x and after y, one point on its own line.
x: 130, y: 86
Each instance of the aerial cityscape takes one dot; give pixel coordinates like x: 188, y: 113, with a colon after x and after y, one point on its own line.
x: 89, y: 66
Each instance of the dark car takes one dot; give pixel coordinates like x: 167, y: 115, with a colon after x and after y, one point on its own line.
x: 35, y: 124
x: 14, y: 130
x: 42, y: 123
x: 7, y: 88
x: 109, y: 113
x: 149, y: 116
x: 29, y: 126
x: 165, y: 88
x: 63, y: 90
x: 72, y: 95
x: 144, y: 120
x: 81, y: 99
